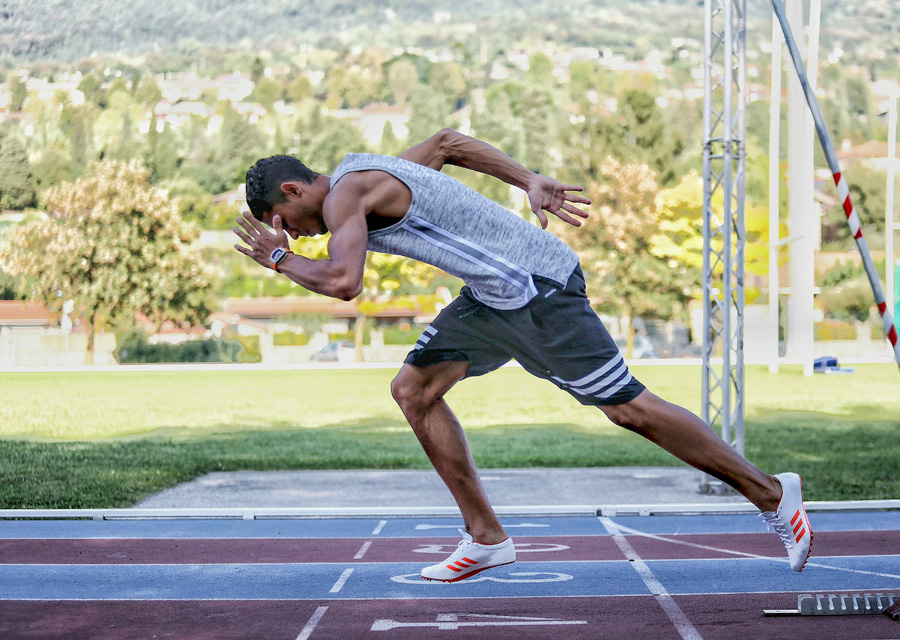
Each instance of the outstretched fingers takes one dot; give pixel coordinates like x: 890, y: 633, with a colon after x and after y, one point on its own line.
x: 575, y: 211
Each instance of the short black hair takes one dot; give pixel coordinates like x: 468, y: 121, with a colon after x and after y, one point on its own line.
x: 264, y: 180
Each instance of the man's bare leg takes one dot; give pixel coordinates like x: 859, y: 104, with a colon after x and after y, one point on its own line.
x: 688, y: 438
x: 420, y: 393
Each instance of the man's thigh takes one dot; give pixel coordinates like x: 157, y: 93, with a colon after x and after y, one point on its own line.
x: 465, y: 331
x: 559, y: 337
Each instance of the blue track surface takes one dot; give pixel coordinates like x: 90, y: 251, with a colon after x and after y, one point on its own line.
x: 422, y: 527
x: 401, y: 580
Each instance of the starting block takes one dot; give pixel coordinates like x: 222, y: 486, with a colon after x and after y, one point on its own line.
x: 842, y: 605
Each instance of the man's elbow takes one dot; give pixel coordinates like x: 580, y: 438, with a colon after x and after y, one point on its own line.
x: 347, y: 290
x: 448, y: 137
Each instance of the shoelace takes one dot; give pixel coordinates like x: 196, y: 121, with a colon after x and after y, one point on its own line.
x: 774, y: 523
x: 463, y: 544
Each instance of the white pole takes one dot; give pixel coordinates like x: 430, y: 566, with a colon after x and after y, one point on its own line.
x: 774, y: 192
x: 812, y: 73
x: 889, y: 224
x: 800, y: 320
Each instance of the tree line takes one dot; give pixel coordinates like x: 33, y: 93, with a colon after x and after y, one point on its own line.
x: 590, y: 126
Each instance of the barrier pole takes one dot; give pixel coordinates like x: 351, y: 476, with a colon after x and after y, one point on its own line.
x: 843, y: 190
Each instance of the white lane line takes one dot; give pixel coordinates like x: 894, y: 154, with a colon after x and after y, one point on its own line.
x: 379, y: 527
x: 341, y: 581
x: 362, y: 551
x: 684, y: 627
x: 753, y: 555
x: 306, y: 632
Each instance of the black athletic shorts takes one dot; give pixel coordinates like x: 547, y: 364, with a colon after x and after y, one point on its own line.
x: 556, y: 336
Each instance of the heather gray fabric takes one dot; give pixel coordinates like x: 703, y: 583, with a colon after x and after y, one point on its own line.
x: 460, y: 231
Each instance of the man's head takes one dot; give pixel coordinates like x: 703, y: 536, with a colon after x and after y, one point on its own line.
x: 283, y: 186
x: 265, y: 180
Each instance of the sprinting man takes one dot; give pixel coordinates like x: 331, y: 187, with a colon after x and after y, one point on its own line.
x: 524, y: 298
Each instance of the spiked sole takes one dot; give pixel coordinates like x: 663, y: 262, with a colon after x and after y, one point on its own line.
x: 468, y: 575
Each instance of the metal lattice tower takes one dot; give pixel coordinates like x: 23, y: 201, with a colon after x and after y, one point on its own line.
x: 724, y: 162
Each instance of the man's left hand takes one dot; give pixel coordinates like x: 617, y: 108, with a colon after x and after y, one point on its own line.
x: 260, y: 241
x: 547, y: 194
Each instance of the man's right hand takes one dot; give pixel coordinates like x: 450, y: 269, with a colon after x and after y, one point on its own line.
x: 547, y: 194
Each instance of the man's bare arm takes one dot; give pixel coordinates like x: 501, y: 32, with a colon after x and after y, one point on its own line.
x: 338, y: 276
x: 544, y: 193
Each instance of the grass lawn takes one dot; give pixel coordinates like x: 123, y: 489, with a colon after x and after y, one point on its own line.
x: 110, y: 439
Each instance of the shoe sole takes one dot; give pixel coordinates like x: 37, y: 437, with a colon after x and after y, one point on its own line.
x: 468, y: 575
x: 808, y: 526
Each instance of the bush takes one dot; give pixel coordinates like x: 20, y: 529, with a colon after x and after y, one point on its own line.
x: 401, y: 337
x: 133, y: 348
x: 290, y: 339
x: 850, y: 300
x: 830, y: 329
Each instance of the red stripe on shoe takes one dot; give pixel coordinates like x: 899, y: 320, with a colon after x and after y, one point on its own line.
x: 452, y: 568
x: 794, y: 519
x: 800, y: 535
x: 462, y: 564
x: 798, y: 526
x: 469, y: 574
x: 470, y: 561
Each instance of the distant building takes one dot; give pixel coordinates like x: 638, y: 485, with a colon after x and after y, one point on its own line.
x: 231, y: 87
x: 872, y: 154
x: 371, y: 119
x: 236, y: 198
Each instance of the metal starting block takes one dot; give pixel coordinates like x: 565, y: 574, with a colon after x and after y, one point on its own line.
x: 842, y: 605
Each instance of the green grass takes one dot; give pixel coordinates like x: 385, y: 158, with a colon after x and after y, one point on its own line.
x: 110, y: 439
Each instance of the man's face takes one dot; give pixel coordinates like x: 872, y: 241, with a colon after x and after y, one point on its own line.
x: 297, y: 219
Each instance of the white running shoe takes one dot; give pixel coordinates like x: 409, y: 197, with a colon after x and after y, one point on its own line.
x: 470, y: 558
x: 790, y: 521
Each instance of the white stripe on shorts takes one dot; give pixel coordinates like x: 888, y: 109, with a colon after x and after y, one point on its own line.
x: 606, y: 381
x: 593, y: 376
x: 425, y: 338
x: 615, y: 389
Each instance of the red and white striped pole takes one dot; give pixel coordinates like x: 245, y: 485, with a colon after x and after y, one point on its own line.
x: 844, y: 192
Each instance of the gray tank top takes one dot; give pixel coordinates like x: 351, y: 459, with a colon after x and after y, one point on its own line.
x: 450, y: 226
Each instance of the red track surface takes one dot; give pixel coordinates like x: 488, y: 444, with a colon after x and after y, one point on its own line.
x: 203, y: 551
x: 715, y: 617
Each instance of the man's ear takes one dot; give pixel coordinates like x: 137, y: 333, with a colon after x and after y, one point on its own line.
x: 291, y: 189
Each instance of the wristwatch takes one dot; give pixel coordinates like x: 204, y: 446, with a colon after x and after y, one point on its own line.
x: 277, y: 257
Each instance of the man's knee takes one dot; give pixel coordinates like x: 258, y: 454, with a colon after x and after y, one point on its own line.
x: 415, y: 388
x: 633, y: 415
x: 406, y: 390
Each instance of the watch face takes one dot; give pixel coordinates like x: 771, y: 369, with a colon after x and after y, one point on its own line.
x: 278, y: 255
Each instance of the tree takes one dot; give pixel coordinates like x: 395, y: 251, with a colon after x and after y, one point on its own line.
x: 115, y: 246
x: 390, y: 144
x: 537, y: 128
x: 448, y: 78
x: 18, y: 92
x: 615, y: 247
x: 81, y: 137
x: 335, y: 139
x: 679, y: 238
x: 540, y: 70
x: 299, y: 89
x: 402, y: 79
x: 148, y: 92
x: 162, y: 157
x: 17, y: 184
x: 92, y: 87
x: 430, y: 113
x: 497, y: 124
x: 267, y: 93
x: 114, y: 129
x: 239, y: 147
x: 258, y: 70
